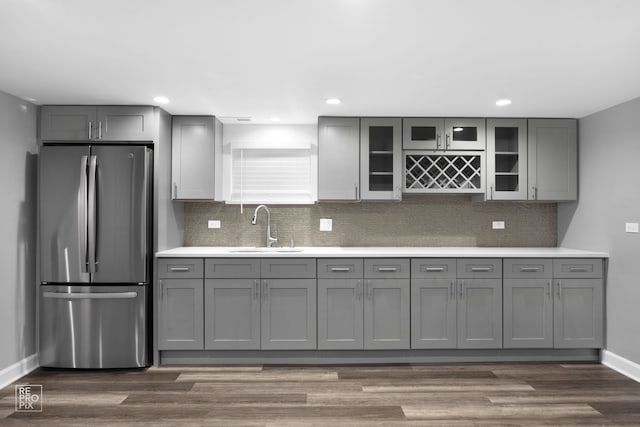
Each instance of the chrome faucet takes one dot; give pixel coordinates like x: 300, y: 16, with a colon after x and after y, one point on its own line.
x: 254, y: 221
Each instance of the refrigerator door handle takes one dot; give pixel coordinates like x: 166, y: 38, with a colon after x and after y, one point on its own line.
x: 90, y: 295
x: 93, y: 165
x: 82, y: 214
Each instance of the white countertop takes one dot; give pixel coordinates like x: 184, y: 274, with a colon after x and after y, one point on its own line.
x: 377, y: 251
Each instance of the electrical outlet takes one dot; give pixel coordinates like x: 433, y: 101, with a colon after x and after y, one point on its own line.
x: 213, y: 223
x: 326, y: 224
x: 497, y: 225
x: 631, y: 227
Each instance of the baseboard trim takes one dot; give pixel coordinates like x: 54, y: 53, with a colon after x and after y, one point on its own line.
x: 18, y: 370
x: 624, y: 366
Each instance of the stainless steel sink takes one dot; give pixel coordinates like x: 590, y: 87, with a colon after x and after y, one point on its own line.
x: 264, y: 249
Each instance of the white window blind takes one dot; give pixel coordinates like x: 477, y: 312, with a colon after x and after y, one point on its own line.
x: 271, y: 175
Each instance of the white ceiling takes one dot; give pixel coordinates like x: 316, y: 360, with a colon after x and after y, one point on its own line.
x: 264, y: 58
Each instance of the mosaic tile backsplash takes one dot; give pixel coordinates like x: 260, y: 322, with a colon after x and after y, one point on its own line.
x: 416, y: 221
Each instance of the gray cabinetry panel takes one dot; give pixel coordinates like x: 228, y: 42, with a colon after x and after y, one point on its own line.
x: 283, y: 268
x: 523, y: 268
x: 344, y: 268
x: 433, y: 268
x: 193, y: 158
x: 528, y: 313
x: 125, y: 123
x: 180, y: 317
x: 464, y: 134
x: 67, y: 123
x: 479, y: 268
x: 232, y: 314
x: 232, y: 268
x: 381, y: 268
x: 338, y: 158
x: 288, y: 319
x: 578, y: 313
x: 480, y: 313
x: 433, y: 313
x: 387, y: 314
x: 575, y: 268
x: 506, y: 159
x: 552, y: 159
x: 340, y: 314
x: 184, y: 268
x: 380, y: 158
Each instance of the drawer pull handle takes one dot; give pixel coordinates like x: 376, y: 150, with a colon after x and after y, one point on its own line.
x: 578, y: 270
x: 179, y: 269
x: 480, y: 269
x: 433, y: 269
x: 341, y: 269
x: 387, y: 269
x: 529, y: 269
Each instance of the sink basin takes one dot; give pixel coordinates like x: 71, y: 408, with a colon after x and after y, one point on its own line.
x: 268, y: 250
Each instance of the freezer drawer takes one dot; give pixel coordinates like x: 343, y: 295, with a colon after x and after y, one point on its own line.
x: 93, y: 327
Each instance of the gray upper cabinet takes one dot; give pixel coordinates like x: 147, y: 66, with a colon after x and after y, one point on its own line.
x: 443, y: 134
x: 338, y: 158
x: 91, y: 123
x: 506, y: 159
x: 195, y: 157
x: 380, y: 159
x: 552, y: 159
x: 180, y: 304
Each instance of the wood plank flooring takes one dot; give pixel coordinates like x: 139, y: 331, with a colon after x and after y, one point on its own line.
x: 369, y: 395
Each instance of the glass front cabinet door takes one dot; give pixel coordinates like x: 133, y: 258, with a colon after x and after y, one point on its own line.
x: 506, y: 159
x: 443, y: 134
x: 380, y: 161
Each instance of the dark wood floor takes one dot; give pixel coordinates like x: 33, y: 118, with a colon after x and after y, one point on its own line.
x: 457, y: 395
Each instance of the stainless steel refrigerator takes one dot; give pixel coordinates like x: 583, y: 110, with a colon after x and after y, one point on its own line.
x: 94, y: 216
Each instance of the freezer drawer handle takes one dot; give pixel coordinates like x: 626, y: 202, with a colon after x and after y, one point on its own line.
x: 91, y: 295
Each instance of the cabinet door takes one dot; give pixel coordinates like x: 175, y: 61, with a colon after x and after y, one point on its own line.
x: 288, y: 314
x: 433, y: 313
x: 578, y: 313
x: 387, y: 314
x: 125, y: 123
x: 423, y: 134
x: 528, y: 313
x: 338, y: 158
x: 340, y: 314
x: 464, y: 134
x: 232, y: 314
x: 67, y: 123
x: 479, y: 313
x: 192, y: 158
x: 506, y: 159
x: 380, y: 159
x: 553, y: 159
x: 180, y: 316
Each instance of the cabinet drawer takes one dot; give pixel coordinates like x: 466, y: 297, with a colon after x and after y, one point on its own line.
x: 380, y: 268
x: 232, y: 268
x: 522, y: 268
x: 470, y: 268
x: 348, y: 268
x: 577, y: 268
x: 285, y: 268
x: 433, y: 268
x: 180, y: 268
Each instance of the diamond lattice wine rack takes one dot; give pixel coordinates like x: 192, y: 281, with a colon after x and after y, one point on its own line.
x: 453, y: 172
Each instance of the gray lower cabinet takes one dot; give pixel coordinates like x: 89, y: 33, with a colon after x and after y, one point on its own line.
x: 578, y: 313
x: 387, y: 295
x: 340, y: 314
x: 96, y: 123
x: 180, y: 305
x: 232, y: 314
x: 480, y: 313
x: 180, y: 314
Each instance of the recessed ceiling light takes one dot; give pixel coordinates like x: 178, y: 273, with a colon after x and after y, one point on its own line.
x: 333, y: 101
x: 503, y: 102
x: 161, y: 99
x: 275, y: 119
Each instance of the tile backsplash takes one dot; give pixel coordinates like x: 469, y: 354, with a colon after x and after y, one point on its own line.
x: 416, y: 221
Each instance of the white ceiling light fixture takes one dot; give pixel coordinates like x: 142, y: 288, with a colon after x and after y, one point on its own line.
x: 161, y: 99
x: 503, y: 102
x: 333, y: 101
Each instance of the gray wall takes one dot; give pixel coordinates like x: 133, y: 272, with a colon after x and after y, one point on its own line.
x: 416, y: 221
x: 608, y: 197
x: 18, y: 173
